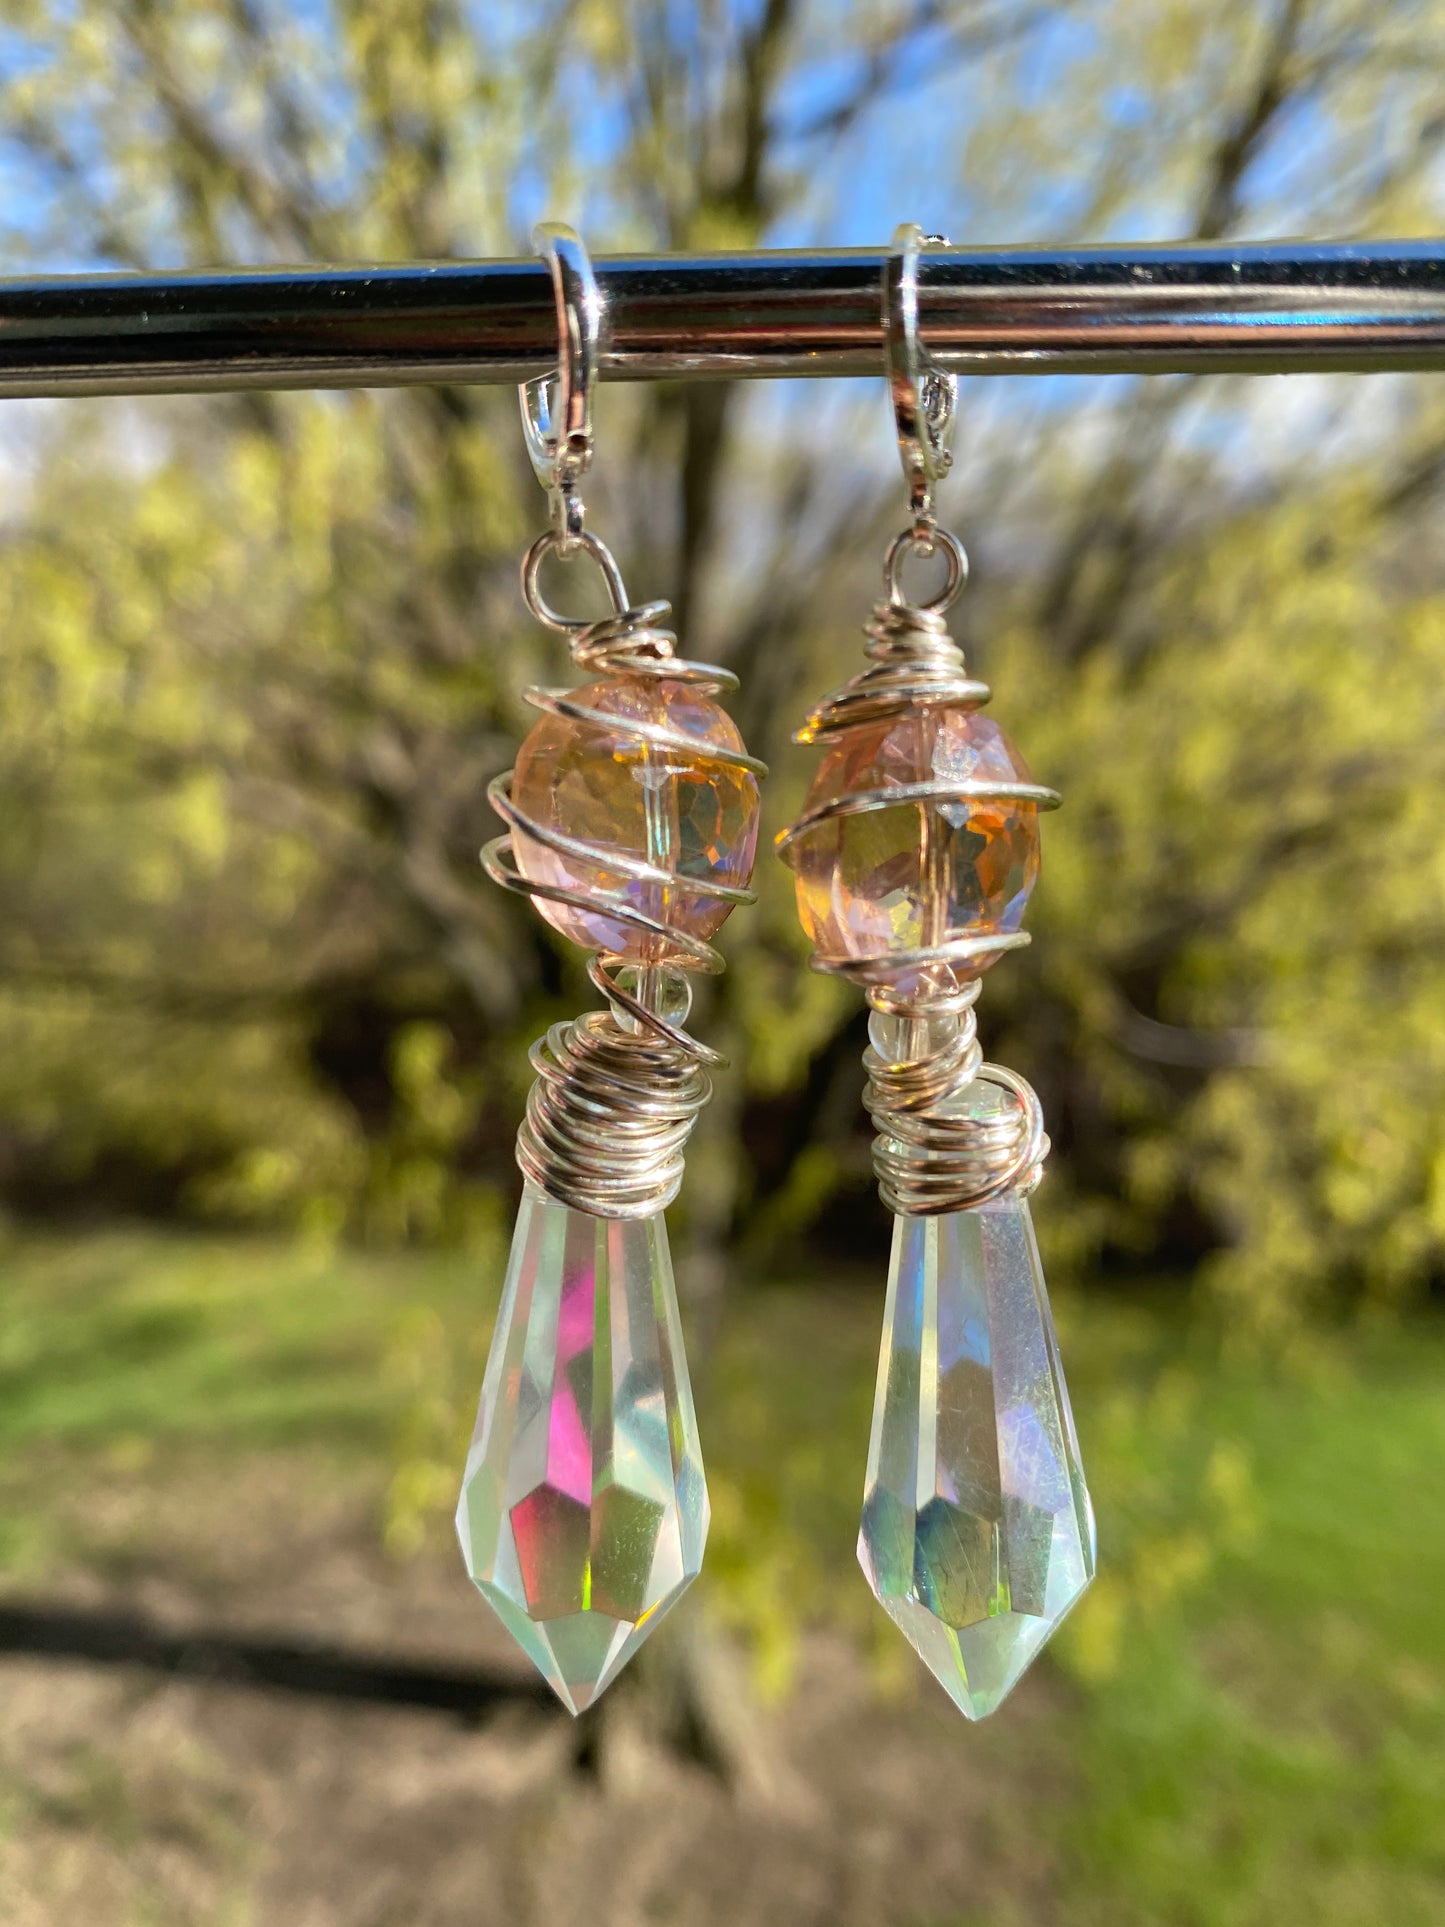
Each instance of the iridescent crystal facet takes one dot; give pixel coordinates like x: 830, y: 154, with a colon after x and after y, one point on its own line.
x: 906, y: 875
x: 977, y: 1533
x: 584, y: 1511
x: 683, y: 811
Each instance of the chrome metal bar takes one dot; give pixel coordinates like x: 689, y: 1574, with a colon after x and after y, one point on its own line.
x: 1276, y: 308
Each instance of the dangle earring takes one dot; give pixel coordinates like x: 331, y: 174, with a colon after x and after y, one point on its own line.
x: 914, y: 858
x: 632, y: 819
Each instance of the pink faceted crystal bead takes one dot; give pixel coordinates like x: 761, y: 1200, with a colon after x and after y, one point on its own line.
x: 683, y: 811
x: 906, y: 876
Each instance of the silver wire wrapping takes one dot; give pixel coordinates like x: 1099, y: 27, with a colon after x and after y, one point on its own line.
x: 931, y: 1154
x: 611, y: 1110
x: 617, y: 1090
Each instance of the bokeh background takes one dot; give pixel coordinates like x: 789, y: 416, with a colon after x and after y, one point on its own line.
x: 263, y: 1024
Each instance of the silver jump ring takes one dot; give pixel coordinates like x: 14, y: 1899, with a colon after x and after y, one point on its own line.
x: 924, y: 396
x: 557, y: 407
x: 566, y: 546
x: 925, y: 541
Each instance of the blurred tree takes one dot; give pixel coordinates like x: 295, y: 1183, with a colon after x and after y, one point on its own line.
x: 264, y: 651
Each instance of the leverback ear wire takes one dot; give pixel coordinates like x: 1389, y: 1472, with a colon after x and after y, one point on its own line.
x: 925, y: 396
x: 925, y: 400
x: 557, y: 423
x: 557, y: 407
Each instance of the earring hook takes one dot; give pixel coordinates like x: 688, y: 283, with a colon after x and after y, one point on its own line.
x: 924, y: 395
x: 557, y: 407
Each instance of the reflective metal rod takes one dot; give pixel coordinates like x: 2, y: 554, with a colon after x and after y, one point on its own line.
x: 1276, y: 308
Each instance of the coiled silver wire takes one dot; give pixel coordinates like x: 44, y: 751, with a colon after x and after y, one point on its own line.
x: 617, y: 1090
x: 931, y: 1153
x: 612, y: 1108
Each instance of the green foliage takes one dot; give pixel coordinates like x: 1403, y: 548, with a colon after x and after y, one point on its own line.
x: 1244, y: 902
x: 213, y: 728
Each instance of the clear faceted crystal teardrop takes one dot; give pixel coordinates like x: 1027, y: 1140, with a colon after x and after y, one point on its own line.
x: 584, y: 1511
x: 977, y: 1533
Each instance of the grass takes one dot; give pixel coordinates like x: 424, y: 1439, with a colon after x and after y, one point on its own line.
x: 1250, y: 1700
x: 128, y: 1348
x: 236, y: 1343
x: 1272, y: 1749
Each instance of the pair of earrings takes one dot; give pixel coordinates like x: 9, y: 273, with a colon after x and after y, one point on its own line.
x: 632, y: 819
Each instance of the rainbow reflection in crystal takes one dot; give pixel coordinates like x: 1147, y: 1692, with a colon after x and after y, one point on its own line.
x: 977, y: 1533
x: 584, y: 1511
